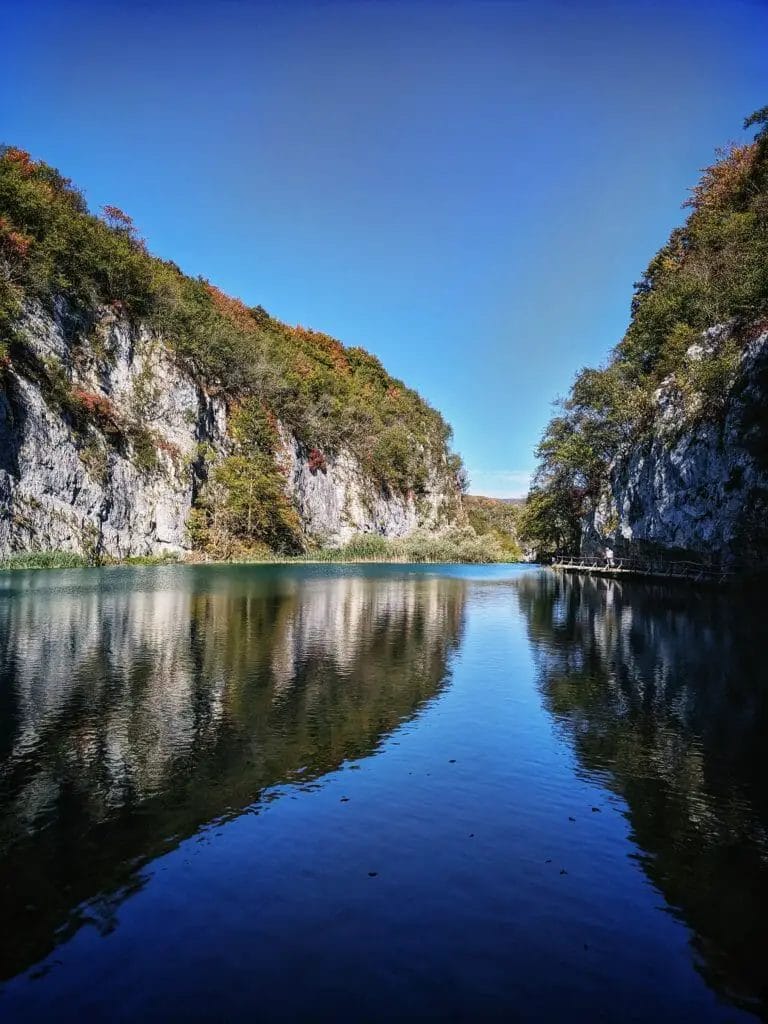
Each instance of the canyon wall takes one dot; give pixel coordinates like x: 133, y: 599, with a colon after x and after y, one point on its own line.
x: 122, y: 479
x: 697, y: 486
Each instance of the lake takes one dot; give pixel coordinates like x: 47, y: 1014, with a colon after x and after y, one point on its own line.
x: 376, y: 793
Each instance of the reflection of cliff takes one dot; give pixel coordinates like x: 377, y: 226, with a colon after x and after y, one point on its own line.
x: 663, y: 693
x: 138, y: 706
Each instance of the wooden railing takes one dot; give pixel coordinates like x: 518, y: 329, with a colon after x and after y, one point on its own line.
x: 656, y: 567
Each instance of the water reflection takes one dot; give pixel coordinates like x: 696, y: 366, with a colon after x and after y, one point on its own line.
x: 663, y: 694
x: 138, y: 705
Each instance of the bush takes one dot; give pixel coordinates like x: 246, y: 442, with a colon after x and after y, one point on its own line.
x: 246, y: 505
x: 317, y: 462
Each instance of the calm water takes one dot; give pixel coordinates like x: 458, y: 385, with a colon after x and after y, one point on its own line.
x: 380, y: 793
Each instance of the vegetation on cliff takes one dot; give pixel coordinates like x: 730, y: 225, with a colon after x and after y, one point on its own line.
x: 713, y: 270
x: 497, y: 520
x: 329, y: 396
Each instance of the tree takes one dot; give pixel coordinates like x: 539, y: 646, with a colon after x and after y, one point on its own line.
x: 119, y: 221
x: 759, y: 117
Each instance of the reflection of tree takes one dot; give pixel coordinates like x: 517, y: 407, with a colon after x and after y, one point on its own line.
x: 132, y: 714
x: 662, y: 691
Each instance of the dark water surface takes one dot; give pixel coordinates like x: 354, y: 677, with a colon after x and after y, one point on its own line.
x: 362, y: 793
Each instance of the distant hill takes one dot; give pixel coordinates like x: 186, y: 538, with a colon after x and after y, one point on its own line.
x: 497, y: 517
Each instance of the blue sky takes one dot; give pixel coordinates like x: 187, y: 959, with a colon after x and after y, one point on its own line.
x: 467, y: 189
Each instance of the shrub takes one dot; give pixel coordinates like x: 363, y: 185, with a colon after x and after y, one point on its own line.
x: 246, y: 504
x: 317, y: 462
x: 144, y: 449
x: 95, y: 405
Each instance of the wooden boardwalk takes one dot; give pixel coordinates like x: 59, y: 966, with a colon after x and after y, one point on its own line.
x: 691, y: 572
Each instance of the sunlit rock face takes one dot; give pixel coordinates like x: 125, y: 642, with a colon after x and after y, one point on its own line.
x: 699, y: 490
x: 340, y: 501
x: 61, y: 489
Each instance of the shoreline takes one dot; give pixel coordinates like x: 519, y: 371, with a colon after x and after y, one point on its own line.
x: 52, y: 561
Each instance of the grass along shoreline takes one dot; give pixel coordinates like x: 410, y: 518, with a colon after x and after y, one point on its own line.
x: 40, y: 560
x: 454, y: 547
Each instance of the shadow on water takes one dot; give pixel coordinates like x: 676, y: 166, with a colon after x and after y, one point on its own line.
x: 663, y: 694
x: 138, y: 705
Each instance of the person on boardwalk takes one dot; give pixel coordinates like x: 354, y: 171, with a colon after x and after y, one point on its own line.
x: 609, y: 557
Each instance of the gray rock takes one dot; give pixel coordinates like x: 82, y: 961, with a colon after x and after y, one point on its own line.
x: 698, y: 487
x: 61, y: 489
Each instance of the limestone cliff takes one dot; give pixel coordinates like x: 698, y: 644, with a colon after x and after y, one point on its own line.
x: 107, y: 442
x: 697, y: 485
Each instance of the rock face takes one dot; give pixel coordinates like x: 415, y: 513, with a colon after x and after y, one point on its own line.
x: 72, y: 486
x: 339, y: 501
x: 699, y: 486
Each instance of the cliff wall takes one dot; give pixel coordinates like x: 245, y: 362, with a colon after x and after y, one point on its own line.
x: 698, y: 485
x: 107, y: 444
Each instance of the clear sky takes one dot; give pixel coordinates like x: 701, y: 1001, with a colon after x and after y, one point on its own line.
x: 467, y: 189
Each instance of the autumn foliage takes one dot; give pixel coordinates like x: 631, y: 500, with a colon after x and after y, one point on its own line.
x: 22, y: 161
x: 14, y: 245
x: 117, y: 219
x: 317, y: 461
x: 95, y: 405
x: 725, y: 179
x: 234, y: 310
